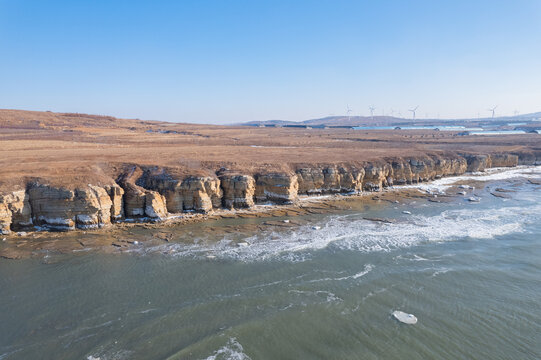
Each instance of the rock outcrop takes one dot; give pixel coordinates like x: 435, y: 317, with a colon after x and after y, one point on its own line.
x: 277, y: 188
x: 477, y: 162
x: 238, y: 191
x: 402, y: 174
x: 329, y: 180
x: 138, y: 201
x: 5, y: 219
x: 449, y: 167
x: 192, y: 193
x: 116, y: 193
x: 529, y: 158
x: 376, y: 177
x: 55, y: 208
x: 503, y: 160
x: 16, y: 212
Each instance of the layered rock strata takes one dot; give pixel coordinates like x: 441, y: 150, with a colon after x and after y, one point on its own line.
x: 153, y: 193
x: 55, y: 208
x: 138, y: 201
x: 329, y: 180
x: 238, y: 191
x: 276, y: 188
x: 192, y: 193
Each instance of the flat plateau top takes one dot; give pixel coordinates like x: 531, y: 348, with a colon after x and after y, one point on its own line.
x: 78, y: 148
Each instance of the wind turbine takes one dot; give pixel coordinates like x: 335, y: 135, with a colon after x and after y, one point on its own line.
x: 392, y: 112
x: 372, y: 108
x: 349, y: 113
x: 413, y: 111
x: 493, y: 110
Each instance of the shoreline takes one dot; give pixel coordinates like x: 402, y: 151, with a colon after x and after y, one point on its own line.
x: 113, y: 238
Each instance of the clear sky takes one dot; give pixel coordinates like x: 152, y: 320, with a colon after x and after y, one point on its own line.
x: 228, y: 61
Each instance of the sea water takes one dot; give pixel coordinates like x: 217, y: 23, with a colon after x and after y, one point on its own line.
x: 326, y: 289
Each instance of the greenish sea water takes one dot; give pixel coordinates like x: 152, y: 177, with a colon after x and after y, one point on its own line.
x: 469, y: 271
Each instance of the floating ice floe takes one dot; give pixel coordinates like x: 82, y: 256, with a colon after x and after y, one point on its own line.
x: 405, y: 317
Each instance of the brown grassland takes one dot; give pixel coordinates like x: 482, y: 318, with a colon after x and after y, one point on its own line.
x: 70, y: 149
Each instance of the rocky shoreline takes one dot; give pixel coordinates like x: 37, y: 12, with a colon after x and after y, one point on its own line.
x: 137, y: 193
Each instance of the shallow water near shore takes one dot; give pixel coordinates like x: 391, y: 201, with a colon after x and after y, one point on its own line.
x: 324, y: 288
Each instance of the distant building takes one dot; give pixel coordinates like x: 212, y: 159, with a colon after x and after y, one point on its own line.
x: 298, y: 126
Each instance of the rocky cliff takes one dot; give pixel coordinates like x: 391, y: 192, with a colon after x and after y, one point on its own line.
x: 152, y: 193
x: 329, y: 180
x: 238, y: 191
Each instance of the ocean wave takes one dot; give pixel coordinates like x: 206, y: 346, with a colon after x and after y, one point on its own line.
x: 233, y: 350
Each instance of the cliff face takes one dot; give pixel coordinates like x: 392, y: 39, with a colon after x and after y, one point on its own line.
x: 503, y: 160
x: 15, y: 211
x: 54, y: 208
x: 329, y: 180
x: 116, y: 193
x: 482, y: 162
x: 238, y: 191
x: 376, y: 177
x: 277, y: 188
x: 138, y: 201
x: 193, y: 193
x: 529, y: 158
x: 155, y: 192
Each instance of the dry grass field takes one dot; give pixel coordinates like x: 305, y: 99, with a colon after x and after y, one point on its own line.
x: 71, y: 149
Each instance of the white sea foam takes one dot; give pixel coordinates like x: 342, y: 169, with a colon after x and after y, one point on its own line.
x: 493, y: 174
x: 367, y: 269
x: 233, y: 350
x: 350, y: 232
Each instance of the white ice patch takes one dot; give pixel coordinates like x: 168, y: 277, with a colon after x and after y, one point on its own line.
x: 233, y: 350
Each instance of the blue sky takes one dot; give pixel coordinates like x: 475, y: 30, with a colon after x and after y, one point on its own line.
x: 230, y: 61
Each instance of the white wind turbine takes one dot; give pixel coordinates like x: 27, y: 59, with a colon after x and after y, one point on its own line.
x: 372, y: 108
x: 349, y: 113
x: 493, y: 110
x: 413, y: 111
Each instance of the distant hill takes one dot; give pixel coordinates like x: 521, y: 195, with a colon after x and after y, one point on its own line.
x: 390, y: 121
